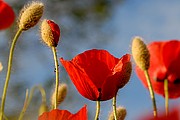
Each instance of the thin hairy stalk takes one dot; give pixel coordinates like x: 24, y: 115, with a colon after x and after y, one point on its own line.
x: 166, y: 96
x: 25, y: 106
x: 57, y: 75
x: 97, y: 110
x: 151, y: 93
x: 9, y: 72
x: 28, y: 99
x: 114, y: 108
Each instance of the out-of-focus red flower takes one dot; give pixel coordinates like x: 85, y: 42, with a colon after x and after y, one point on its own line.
x: 172, y: 115
x: 7, y: 15
x: 164, y: 64
x: 97, y: 74
x: 64, y: 115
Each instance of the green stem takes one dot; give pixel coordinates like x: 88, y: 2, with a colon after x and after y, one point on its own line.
x: 97, y: 110
x: 166, y: 96
x: 9, y: 72
x: 57, y: 75
x: 28, y: 100
x: 151, y: 92
x: 114, y: 108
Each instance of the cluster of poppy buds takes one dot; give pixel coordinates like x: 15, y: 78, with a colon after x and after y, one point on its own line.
x: 97, y: 74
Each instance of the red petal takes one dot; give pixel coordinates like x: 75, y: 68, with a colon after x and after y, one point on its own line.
x: 81, y: 115
x: 81, y: 80
x: 55, y: 30
x: 55, y: 115
x: 171, y: 58
x: 97, y: 64
x: 7, y: 15
x: 121, y: 75
x: 64, y: 115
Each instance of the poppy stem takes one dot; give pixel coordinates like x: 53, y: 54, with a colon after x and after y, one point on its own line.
x: 151, y: 92
x: 114, y: 108
x: 57, y: 75
x: 97, y: 110
x: 166, y: 96
x: 8, y: 72
x: 28, y: 99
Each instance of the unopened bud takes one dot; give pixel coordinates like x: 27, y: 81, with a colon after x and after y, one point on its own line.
x: 43, y: 108
x: 30, y: 15
x: 121, y: 114
x: 50, y: 33
x: 62, y: 92
x: 140, y: 53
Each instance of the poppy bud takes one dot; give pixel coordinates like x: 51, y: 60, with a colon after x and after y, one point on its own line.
x: 30, y: 15
x: 50, y: 33
x: 62, y: 92
x: 140, y: 53
x: 1, y: 66
x: 43, y: 108
x: 121, y: 114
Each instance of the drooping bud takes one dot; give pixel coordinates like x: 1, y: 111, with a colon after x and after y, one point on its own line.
x: 43, y: 108
x: 62, y: 92
x: 1, y: 66
x: 30, y: 15
x: 140, y: 53
x: 50, y: 33
x: 121, y: 114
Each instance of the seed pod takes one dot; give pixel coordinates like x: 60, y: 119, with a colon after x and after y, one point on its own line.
x: 140, y: 53
x: 121, y: 114
x: 30, y: 15
x: 62, y: 92
x: 50, y: 33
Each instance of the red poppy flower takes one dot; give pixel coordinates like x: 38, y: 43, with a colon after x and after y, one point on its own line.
x: 97, y: 74
x: 64, y: 115
x: 164, y: 64
x: 172, y: 115
x: 7, y: 15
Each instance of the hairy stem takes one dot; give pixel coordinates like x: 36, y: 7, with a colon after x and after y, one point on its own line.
x: 114, y: 108
x: 28, y: 99
x: 57, y: 75
x: 97, y: 110
x: 151, y: 93
x: 166, y: 96
x: 8, y: 72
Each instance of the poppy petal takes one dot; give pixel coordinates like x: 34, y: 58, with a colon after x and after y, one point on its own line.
x: 57, y: 114
x: 120, y: 76
x: 80, y: 79
x: 7, y: 15
x: 171, y: 58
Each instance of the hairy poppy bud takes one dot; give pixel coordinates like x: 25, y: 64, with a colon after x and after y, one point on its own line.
x: 30, y: 15
x: 43, y: 108
x: 140, y: 53
x: 50, y: 33
x: 121, y: 114
x: 62, y: 92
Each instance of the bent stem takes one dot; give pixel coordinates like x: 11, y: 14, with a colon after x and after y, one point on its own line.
x: 166, y: 96
x: 9, y: 71
x: 28, y: 99
x: 57, y: 76
x: 151, y: 92
x: 114, y: 108
x: 97, y: 110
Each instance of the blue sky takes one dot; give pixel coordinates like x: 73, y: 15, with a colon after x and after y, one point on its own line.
x: 153, y: 20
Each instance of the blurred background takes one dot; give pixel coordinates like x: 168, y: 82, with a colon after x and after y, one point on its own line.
x: 85, y: 24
